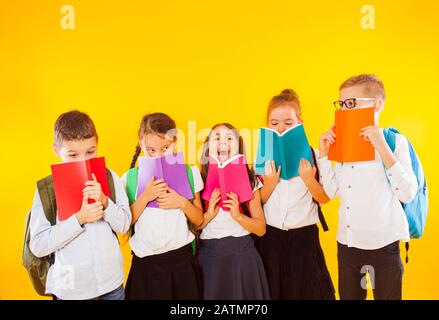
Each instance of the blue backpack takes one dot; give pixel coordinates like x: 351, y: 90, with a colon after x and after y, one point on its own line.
x: 416, y: 210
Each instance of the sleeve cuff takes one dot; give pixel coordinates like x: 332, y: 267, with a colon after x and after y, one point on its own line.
x: 73, y: 225
x: 395, y: 171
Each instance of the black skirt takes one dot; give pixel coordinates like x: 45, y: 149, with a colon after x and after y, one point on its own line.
x: 170, y: 275
x: 295, y: 264
x: 232, y: 269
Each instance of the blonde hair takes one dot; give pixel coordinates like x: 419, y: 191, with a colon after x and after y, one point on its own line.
x: 371, y: 83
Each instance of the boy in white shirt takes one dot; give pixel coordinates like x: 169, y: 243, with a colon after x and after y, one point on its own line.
x: 371, y: 218
x: 88, y: 262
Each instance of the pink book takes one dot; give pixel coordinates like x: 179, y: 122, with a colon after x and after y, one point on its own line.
x: 230, y: 176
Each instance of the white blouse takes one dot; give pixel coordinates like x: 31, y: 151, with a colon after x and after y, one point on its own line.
x: 161, y: 230
x: 223, y: 225
x: 291, y: 205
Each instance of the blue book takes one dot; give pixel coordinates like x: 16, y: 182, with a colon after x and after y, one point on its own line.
x: 285, y: 149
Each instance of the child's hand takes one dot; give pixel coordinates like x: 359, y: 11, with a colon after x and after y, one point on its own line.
x: 374, y: 135
x: 271, y: 176
x: 94, y: 191
x: 90, y: 213
x: 214, y: 201
x: 171, y: 200
x: 326, y: 140
x: 306, y: 171
x: 154, y: 189
x: 233, y: 205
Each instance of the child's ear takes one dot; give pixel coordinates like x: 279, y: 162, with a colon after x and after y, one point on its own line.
x: 55, y: 149
x: 379, y: 105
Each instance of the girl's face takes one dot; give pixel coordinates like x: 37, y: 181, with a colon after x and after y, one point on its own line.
x: 283, y: 117
x: 154, y: 145
x: 223, y: 143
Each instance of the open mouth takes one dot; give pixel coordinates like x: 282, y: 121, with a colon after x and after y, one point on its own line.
x: 223, y: 153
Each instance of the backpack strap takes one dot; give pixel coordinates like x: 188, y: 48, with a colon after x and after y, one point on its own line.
x: 319, y: 208
x: 131, y: 184
x: 48, y: 200
x: 390, y: 137
x: 46, y: 191
x: 190, y: 176
x: 196, y: 242
x: 111, y: 185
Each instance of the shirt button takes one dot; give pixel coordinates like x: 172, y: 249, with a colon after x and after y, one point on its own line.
x: 347, y: 207
x: 396, y: 189
x: 352, y: 167
x: 348, y: 226
x: 349, y: 187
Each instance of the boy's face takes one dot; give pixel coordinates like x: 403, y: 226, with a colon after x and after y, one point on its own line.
x: 77, y: 150
x: 223, y: 143
x: 282, y: 118
x: 360, y: 92
x: 154, y: 145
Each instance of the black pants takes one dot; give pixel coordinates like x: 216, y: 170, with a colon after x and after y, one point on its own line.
x: 383, y: 265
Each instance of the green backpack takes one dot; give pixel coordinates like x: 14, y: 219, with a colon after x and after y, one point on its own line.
x: 37, y: 268
x: 131, y: 188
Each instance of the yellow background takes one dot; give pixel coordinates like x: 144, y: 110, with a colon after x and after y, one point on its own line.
x: 209, y: 61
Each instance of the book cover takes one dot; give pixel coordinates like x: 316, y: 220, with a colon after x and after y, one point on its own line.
x: 171, y: 168
x: 69, y: 180
x: 230, y: 176
x: 286, y: 149
x: 349, y: 146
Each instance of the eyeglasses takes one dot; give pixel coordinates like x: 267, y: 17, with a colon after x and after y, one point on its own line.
x: 350, y: 103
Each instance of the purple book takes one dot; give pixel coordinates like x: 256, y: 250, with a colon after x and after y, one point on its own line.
x: 171, y: 168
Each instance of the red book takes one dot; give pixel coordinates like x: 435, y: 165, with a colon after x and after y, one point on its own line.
x: 69, y: 180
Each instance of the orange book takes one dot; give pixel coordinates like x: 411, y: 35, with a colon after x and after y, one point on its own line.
x: 349, y: 146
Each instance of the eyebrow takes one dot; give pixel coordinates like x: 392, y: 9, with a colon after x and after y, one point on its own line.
x: 282, y: 120
x: 75, y: 151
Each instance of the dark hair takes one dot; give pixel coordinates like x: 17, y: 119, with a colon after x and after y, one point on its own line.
x: 157, y: 123
x: 74, y: 125
x: 286, y: 97
x: 205, y: 159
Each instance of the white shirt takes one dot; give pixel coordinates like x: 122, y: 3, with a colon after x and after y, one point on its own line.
x: 88, y: 260
x: 291, y: 205
x: 370, y: 213
x: 223, y: 225
x: 161, y: 230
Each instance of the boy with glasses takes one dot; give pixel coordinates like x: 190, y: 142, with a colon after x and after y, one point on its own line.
x: 371, y: 218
